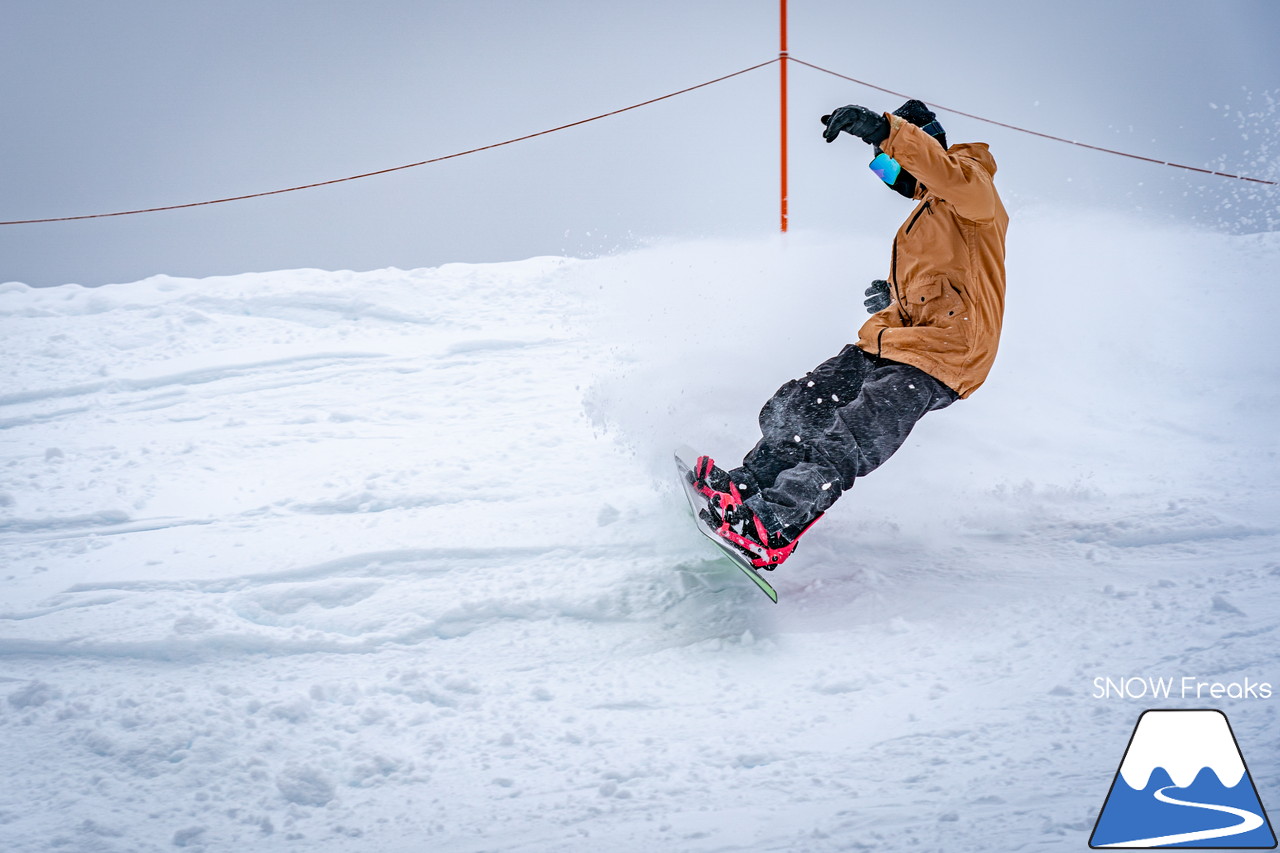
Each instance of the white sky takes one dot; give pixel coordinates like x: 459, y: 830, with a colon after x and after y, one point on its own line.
x: 139, y: 103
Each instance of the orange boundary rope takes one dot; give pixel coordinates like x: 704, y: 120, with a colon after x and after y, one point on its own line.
x: 393, y: 168
x: 783, y: 58
x: 1036, y: 132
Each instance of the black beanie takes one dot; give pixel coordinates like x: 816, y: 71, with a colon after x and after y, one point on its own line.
x: 922, y: 117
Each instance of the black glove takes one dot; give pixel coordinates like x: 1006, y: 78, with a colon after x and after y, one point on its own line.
x: 878, y: 297
x: 871, y: 128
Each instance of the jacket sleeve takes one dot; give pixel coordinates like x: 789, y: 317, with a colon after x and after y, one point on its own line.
x: 959, y: 180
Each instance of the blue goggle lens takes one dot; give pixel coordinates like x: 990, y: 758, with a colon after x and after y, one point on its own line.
x: 886, y: 168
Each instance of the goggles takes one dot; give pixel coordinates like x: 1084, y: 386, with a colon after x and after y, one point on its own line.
x: 886, y: 168
x: 933, y: 129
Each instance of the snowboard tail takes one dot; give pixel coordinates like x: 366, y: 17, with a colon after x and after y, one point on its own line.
x: 698, y: 504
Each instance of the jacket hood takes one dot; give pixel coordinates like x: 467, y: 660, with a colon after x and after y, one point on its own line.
x: 977, y: 151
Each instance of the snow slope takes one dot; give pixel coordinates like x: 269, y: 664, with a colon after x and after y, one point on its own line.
x: 337, y: 561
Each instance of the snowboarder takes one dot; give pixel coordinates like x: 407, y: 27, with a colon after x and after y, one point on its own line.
x: 931, y: 340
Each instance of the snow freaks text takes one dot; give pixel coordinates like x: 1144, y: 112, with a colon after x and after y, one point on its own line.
x: 1185, y: 687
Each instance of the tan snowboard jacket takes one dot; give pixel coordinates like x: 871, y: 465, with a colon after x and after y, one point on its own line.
x: 946, y: 275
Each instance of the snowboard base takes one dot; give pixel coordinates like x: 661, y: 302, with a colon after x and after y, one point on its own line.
x: 698, y: 503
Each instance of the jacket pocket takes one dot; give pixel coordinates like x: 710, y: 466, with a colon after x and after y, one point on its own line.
x: 935, y: 301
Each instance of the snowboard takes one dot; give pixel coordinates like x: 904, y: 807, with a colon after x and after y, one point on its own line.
x: 698, y: 503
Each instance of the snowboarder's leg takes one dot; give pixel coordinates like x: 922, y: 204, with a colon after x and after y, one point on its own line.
x: 800, y: 411
x: 847, y: 441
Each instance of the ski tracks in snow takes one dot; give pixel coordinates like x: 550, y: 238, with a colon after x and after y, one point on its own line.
x: 288, y: 559
x: 390, y: 560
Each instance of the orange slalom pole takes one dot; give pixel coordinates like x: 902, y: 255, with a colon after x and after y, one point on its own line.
x: 782, y: 66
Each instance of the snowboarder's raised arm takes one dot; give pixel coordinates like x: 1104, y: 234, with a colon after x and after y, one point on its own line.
x: 955, y: 175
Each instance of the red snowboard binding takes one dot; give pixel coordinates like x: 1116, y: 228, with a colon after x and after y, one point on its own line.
x: 733, y: 521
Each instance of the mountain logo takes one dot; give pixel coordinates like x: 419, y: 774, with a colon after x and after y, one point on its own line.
x: 1183, y: 783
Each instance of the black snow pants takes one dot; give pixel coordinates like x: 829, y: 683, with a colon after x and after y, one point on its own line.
x: 839, y: 422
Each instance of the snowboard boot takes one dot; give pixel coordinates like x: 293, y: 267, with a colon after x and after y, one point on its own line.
x: 714, y: 484
x: 734, y: 521
x: 710, y: 480
x: 767, y: 549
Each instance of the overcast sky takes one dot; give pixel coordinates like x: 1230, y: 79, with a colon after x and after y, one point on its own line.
x: 135, y: 103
